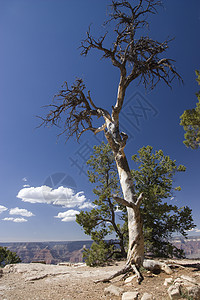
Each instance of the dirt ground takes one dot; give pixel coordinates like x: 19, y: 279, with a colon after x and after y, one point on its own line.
x: 42, y: 282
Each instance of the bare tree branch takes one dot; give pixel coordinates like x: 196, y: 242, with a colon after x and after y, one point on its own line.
x: 135, y: 57
x: 74, y: 107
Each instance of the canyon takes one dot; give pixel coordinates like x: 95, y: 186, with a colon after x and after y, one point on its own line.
x: 72, y: 251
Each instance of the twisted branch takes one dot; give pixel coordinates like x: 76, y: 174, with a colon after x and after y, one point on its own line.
x: 72, y: 106
x: 135, y: 57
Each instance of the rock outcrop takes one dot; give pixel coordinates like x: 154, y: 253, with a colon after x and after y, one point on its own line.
x: 184, y: 286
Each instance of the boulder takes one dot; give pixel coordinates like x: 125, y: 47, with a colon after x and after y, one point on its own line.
x: 168, y: 281
x: 184, y: 286
x: 153, y: 266
x: 113, y: 290
x: 147, y: 296
x: 174, y: 292
x: 193, y: 291
x: 189, y: 279
x: 130, y: 296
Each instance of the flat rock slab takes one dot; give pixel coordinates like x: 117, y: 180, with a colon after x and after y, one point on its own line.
x: 37, y: 271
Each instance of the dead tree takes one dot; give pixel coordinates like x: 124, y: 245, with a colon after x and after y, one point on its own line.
x: 136, y: 57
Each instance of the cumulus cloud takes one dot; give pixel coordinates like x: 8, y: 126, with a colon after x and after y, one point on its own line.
x: 62, y: 196
x: 68, y: 216
x: 26, y: 185
x: 16, y: 220
x: 87, y: 205
x: 21, y: 212
x: 2, y: 208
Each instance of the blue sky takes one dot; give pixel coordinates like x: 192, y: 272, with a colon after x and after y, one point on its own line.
x: 39, y: 51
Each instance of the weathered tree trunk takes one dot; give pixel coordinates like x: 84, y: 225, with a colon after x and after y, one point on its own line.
x: 135, y: 58
x: 136, y: 240
x: 135, y: 254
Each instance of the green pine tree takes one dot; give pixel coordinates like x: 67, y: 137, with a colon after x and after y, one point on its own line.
x: 154, y: 177
x: 101, y: 221
x: 190, y: 120
x: 8, y: 257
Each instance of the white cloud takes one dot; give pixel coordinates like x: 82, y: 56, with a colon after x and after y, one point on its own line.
x: 24, y: 179
x: 68, y: 216
x: 16, y: 220
x: 2, y: 208
x: 87, y: 205
x: 21, y: 212
x: 61, y: 196
x: 26, y: 185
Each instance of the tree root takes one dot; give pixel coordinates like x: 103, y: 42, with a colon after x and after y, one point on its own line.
x: 127, y: 268
x: 124, y: 270
x: 151, y: 265
x: 140, y: 278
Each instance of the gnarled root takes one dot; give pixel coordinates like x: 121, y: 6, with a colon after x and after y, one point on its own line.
x: 124, y: 270
x: 128, y: 267
x: 148, y: 264
x: 140, y: 278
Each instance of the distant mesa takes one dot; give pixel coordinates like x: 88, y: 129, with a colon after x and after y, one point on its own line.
x: 72, y: 252
x: 191, y: 246
x: 49, y: 252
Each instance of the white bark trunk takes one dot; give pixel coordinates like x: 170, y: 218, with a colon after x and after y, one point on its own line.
x: 135, y: 226
x: 117, y: 143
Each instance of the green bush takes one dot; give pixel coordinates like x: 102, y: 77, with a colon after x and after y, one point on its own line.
x: 8, y: 257
x: 98, y: 254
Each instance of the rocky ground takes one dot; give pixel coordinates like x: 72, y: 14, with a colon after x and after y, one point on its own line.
x: 67, y: 282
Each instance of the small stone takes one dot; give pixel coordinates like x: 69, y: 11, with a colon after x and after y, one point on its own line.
x: 187, y: 278
x: 129, y: 279
x: 147, y: 296
x: 178, y: 281
x: 168, y: 281
x: 184, y: 281
x: 113, y: 290
x: 130, y: 296
x: 174, y: 292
